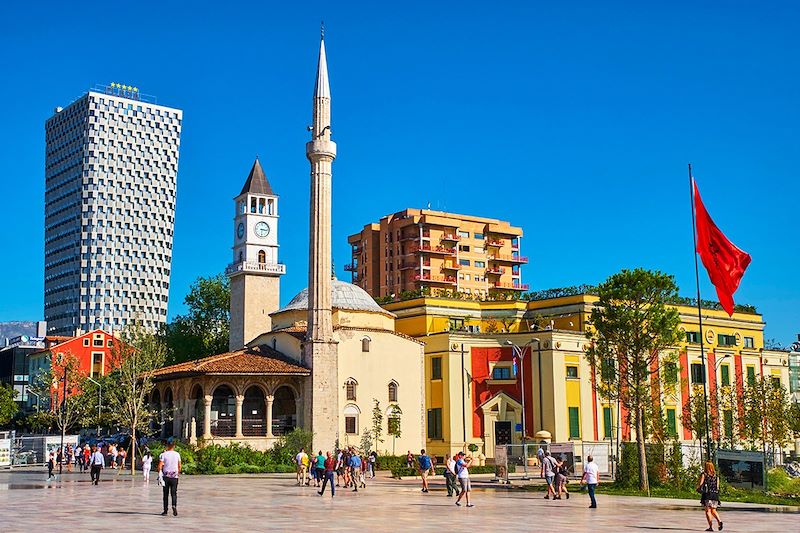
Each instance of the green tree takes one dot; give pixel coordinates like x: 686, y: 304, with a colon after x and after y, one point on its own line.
x: 695, y: 413
x: 377, y: 423
x: 793, y: 415
x: 137, y: 355
x: 393, y: 424
x: 8, y: 406
x: 70, y: 411
x: 632, y: 325
x: 205, y: 329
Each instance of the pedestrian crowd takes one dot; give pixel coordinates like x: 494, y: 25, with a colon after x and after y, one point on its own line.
x: 350, y: 467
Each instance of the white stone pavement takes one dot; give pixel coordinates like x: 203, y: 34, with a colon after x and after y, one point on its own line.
x: 270, y: 503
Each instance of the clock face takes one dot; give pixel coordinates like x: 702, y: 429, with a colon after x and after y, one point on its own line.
x: 240, y: 230
x: 262, y: 229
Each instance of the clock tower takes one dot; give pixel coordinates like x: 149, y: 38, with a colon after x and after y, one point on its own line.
x: 255, y: 271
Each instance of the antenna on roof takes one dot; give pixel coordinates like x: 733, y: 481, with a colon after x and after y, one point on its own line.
x: 322, y: 30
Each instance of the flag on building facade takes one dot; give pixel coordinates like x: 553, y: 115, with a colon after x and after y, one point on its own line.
x: 724, y: 261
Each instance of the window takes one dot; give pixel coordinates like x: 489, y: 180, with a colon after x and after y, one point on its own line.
x: 693, y: 337
x: 463, y: 248
x: 365, y: 344
x: 672, y: 423
x: 463, y: 234
x: 262, y: 257
x: 350, y: 425
x: 479, y: 236
x: 435, y: 423
x: 751, y: 375
x: 726, y: 340
x: 456, y: 324
x: 776, y: 382
x: 572, y: 372
x: 725, y: 375
x: 501, y: 372
x: 574, y: 423
x: 436, y: 368
x: 608, y: 370
x: 97, y: 364
x: 697, y: 373
x: 749, y: 342
x: 86, y: 342
x: 480, y: 264
x: 727, y: 419
x: 607, y: 423
x: 392, y: 391
x: 350, y: 385
x: 670, y: 373
x: 98, y: 342
x: 463, y: 262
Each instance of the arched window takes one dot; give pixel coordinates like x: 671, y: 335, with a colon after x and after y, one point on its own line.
x: 351, y: 413
x: 262, y: 257
x: 350, y: 386
x: 241, y: 257
x: 392, y: 391
x: 365, y: 344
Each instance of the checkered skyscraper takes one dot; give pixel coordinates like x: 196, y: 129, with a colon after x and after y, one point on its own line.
x: 111, y: 168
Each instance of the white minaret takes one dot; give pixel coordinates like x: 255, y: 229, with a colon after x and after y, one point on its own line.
x: 319, y: 348
x: 255, y: 271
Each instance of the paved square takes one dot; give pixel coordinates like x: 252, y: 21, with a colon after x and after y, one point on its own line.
x: 270, y: 503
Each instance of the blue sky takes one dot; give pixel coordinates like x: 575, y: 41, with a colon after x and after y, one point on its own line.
x: 574, y: 120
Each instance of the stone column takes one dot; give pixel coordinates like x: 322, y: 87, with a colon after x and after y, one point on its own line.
x: 269, y: 400
x: 207, y: 419
x: 239, y: 402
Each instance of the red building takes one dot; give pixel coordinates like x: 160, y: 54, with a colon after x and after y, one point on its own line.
x: 93, y: 351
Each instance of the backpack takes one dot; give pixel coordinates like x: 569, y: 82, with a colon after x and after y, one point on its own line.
x: 424, y: 462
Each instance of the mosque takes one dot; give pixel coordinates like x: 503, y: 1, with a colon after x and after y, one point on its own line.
x: 325, y: 362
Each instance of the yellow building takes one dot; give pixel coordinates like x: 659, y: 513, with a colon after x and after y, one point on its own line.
x: 473, y: 396
x: 422, y: 249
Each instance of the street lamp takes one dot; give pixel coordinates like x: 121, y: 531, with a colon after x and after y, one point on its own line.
x: 99, y: 402
x: 519, y: 351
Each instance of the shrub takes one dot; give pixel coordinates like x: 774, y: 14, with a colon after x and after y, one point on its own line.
x: 288, y: 445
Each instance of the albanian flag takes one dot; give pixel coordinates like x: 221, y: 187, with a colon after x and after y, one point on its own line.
x: 724, y: 262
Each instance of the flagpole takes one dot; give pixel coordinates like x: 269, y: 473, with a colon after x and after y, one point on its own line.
x: 699, y: 316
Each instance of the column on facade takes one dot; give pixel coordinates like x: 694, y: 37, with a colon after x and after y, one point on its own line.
x: 269, y: 399
x: 207, y: 418
x: 239, y: 402
x: 162, y: 418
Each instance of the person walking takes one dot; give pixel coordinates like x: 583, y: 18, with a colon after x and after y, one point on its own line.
x: 409, y: 459
x: 51, y: 464
x: 112, y: 452
x: 708, y: 487
x: 330, y: 466
x: 591, y: 477
x: 320, y: 460
x: 462, y: 472
x: 169, y: 468
x: 373, y: 459
x: 87, y: 452
x: 301, y: 460
x: 424, y: 468
x: 123, y: 455
x: 96, y: 463
x: 147, y: 464
x: 450, y: 475
x: 549, y: 469
x: 355, y: 469
x: 562, y: 474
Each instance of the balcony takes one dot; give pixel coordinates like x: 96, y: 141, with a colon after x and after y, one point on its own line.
x: 511, y: 286
x: 450, y: 237
x: 357, y: 250
x: 274, y: 269
x: 351, y: 268
x: 494, y: 241
x: 495, y: 270
x: 438, y: 250
x: 406, y: 265
x: 447, y: 280
x: 451, y: 266
x: 503, y: 258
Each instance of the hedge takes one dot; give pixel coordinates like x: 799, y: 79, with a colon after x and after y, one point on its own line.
x: 404, y: 471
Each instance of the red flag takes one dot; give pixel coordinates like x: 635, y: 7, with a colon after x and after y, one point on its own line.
x: 724, y: 262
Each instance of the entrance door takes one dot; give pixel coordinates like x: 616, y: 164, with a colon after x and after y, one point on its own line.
x: 502, y: 432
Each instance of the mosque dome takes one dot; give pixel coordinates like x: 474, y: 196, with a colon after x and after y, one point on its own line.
x: 344, y: 296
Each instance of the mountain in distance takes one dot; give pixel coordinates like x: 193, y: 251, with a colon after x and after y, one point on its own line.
x: 9, y: 330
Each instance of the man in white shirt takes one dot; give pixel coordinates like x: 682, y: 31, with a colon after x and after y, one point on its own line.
x: 301, y: 459
x: 591, y: 476
x: 96, y: 463
x: 169, y: 468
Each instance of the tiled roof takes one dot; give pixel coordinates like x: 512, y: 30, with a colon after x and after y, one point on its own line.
x: 298, y: 332
x: 259, y: 360
x: 257, y: 181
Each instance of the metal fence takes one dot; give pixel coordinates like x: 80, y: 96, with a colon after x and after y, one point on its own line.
x: 524, y: 458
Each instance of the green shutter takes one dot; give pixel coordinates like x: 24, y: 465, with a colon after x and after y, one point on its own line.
x: 751, y: 375
x: 574, y: 423
x: 607, y: 422
x: 728, y: 417
x: 431, y: 427
x: 672, y: 425
x: 726, y: 376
